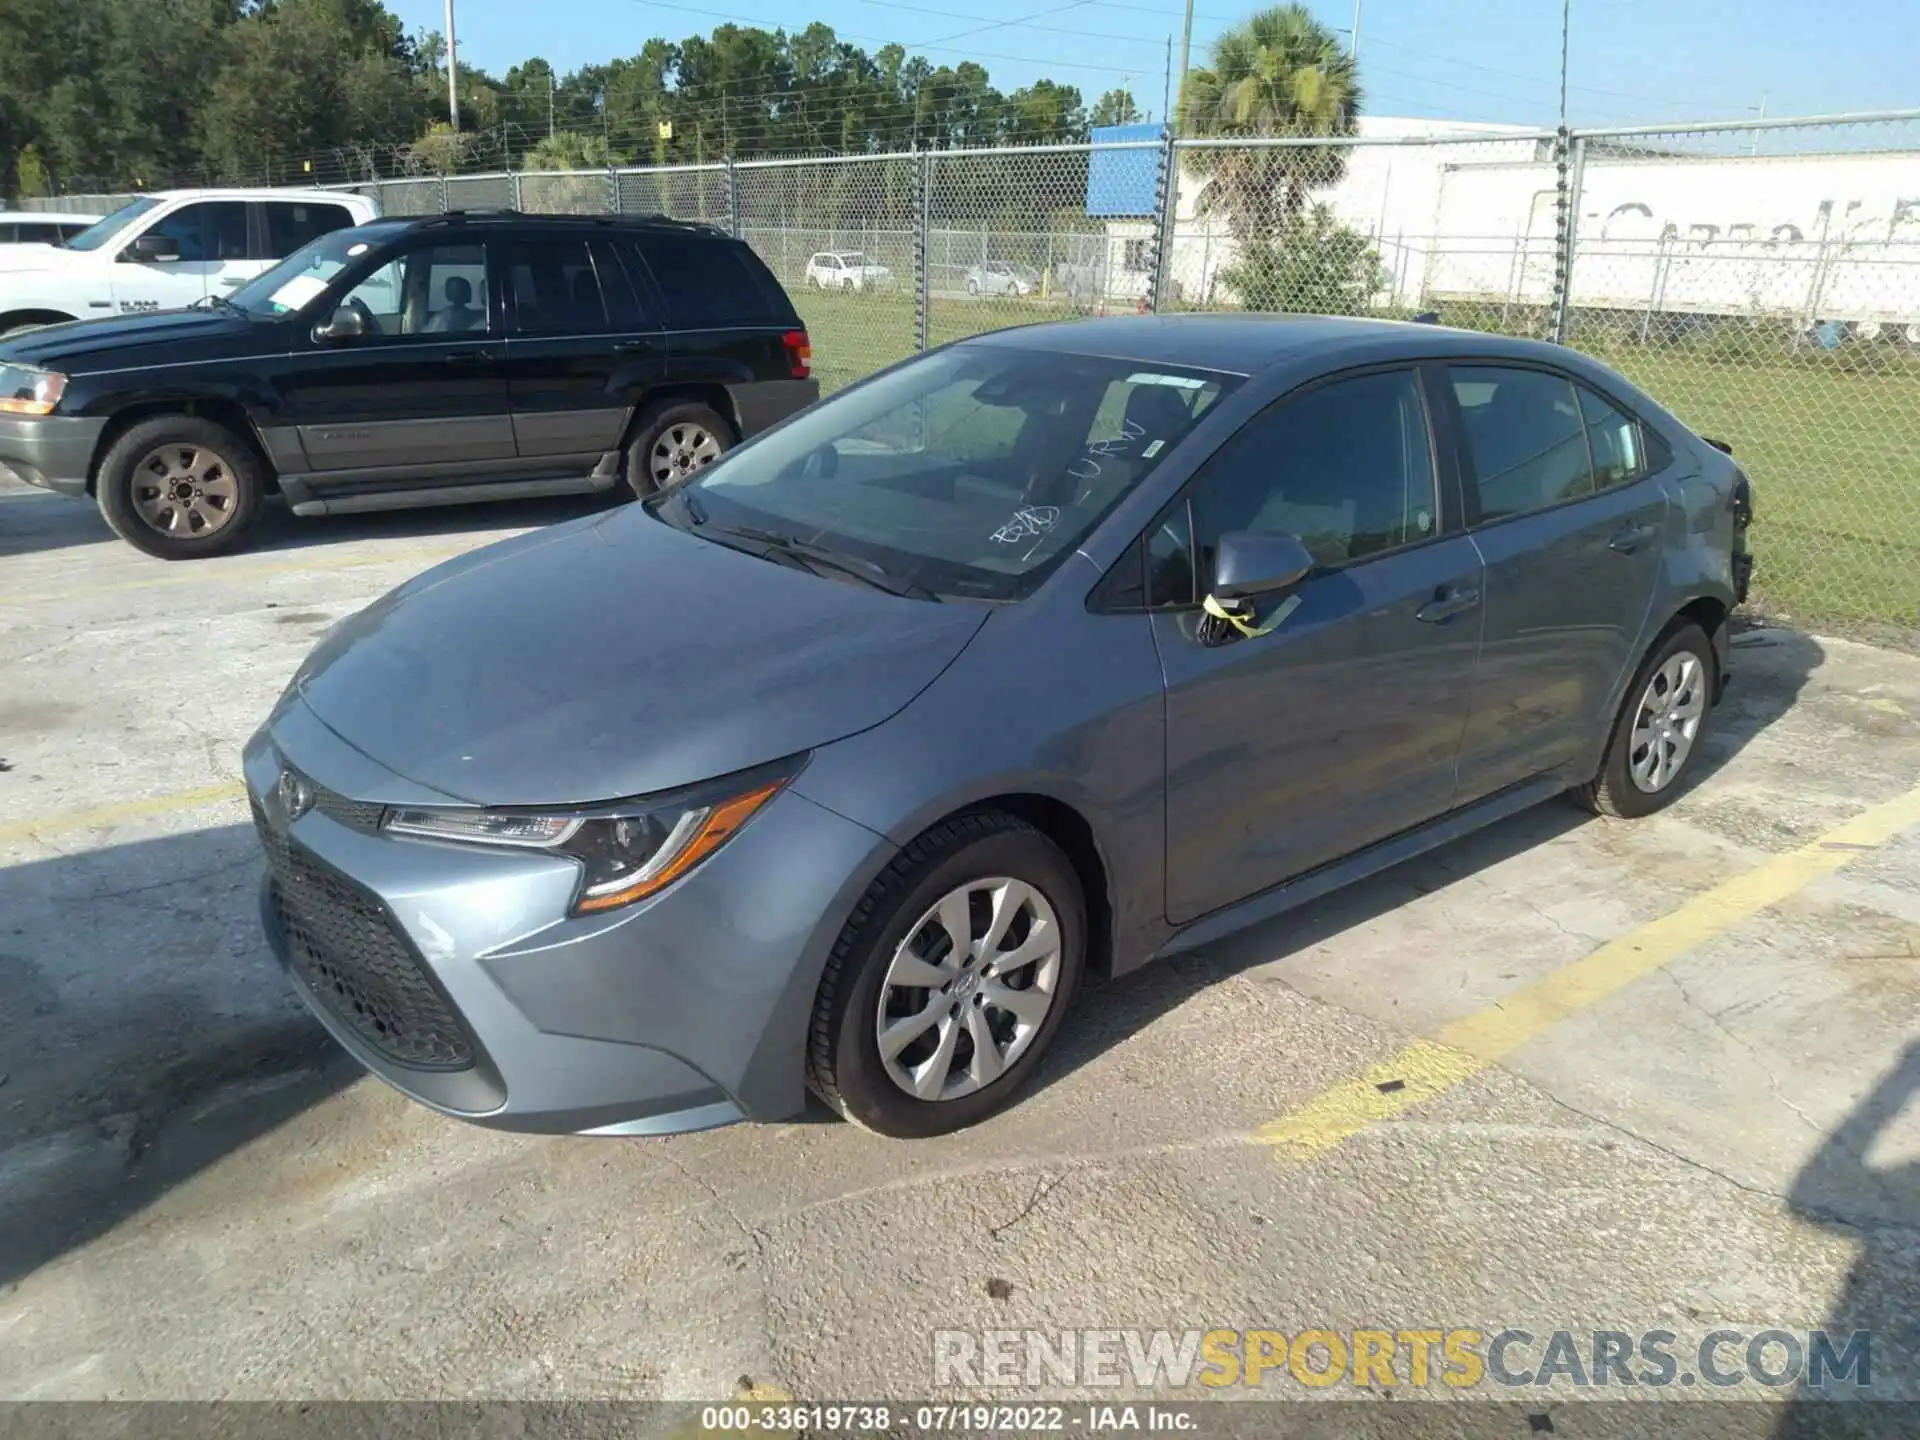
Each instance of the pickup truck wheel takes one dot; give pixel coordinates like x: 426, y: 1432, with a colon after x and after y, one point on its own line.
x: 671, y: 441
x: 1656, y: 739
x: 180, y: 487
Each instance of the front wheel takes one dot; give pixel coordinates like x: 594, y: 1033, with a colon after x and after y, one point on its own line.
x: 672, y: 441
x: 180, y: 487
x: 1657, y: 736
x: 951, y: 980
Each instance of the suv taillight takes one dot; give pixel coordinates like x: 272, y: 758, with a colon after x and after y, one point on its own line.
x: 799, y: 353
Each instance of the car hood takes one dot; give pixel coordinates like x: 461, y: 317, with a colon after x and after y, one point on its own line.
x: 45, y: 257
x: 60, y: 345
x: 616, y: 657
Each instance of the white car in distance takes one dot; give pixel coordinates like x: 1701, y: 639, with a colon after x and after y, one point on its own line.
x: 41, y: 227
x: 846, y: 270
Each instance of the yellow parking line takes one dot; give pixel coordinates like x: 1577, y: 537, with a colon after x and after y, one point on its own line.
x: 102, y: 815
x: 192, y: 574
x: 1430, y: 1067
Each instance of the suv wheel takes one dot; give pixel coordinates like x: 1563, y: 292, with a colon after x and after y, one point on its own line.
x: 951, y: 979
x: 180, y: 487
x: 672, y: 440
x: 1657, y: 736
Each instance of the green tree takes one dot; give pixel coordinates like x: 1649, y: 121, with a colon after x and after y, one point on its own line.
x: 1281, y: 73
x: 1312, y: 265
x: 1116, y: 107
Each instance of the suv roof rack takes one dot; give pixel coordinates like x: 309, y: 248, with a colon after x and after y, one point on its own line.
x: 461, y: 217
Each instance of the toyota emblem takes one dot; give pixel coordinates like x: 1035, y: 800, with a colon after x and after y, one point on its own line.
x: 295, y: 796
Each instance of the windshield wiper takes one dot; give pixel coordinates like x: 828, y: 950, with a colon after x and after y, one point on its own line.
x: 813, y: 556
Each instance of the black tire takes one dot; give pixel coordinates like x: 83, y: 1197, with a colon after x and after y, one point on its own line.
x: 236, y: 459
x: 654, y: 422
x: 844, y: 1067
x: 1613, y: 791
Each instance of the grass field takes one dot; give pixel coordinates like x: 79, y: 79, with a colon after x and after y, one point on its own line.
x: 1834, y: 451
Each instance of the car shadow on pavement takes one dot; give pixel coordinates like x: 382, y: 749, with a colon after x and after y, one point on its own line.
x: 1770, y: 668
x: 35, y: 521
x: 145, y: 1033
x: 1877, y: 1208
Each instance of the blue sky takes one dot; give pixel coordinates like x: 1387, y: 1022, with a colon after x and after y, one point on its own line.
x: 1633, y: 61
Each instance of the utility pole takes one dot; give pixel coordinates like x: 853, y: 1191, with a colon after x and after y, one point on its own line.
x: 1353, y: 40
x: 1186, y: 49
x: 1754, y: 148
x: 549, y: 103
x: 453, y: 83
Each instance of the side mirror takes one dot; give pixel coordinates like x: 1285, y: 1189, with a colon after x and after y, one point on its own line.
x: 152, y: 249
x: 1246, y: 566
x: 346, y: 323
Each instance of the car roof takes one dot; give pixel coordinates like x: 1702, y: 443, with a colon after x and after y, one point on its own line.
x: 1240, y: 343
x: 264, y: 192
x: 47, y: 217
x: 509, y: 219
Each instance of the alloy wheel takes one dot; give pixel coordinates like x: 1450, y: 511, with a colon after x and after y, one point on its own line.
x: 681, y: 450
x: 1667, y: 721
x: 969, y: 988
x: 185, y: 491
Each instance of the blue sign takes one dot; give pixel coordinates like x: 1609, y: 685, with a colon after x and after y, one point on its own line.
x: 1121, y: 182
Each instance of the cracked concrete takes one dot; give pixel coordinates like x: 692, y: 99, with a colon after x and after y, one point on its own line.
x: 204, y: 1199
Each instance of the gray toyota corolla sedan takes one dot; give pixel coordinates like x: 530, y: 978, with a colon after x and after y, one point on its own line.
x: 1061, y: 648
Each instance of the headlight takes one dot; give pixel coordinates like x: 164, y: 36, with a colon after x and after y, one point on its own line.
x: 626, y: 851
x: 29, y: 392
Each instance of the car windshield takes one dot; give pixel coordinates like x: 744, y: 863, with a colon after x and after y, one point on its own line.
x: 971, y: 473
x: 852, y: 257
x: 300, y: 277
x: 101, y: 231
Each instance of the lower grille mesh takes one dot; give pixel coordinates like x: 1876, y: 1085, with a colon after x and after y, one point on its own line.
x: 343, y: 945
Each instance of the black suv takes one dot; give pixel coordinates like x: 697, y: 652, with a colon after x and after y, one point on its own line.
x: 412, y: 362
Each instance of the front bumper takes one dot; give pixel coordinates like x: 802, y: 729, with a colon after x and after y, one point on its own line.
x: 54, y: 452
x: 455, y: 974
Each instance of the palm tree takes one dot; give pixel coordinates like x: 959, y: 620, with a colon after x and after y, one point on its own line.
x: 1280, y: 73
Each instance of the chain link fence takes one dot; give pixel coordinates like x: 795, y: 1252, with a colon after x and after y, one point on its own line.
x: 1762, y: 279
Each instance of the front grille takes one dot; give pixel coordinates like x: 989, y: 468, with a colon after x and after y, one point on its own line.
x: 343, y: 944
x: 357, y: 813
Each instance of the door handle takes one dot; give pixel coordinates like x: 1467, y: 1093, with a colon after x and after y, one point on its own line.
x: 636, y: 347
x: 1446, y: 603
x: 233, y: 282
x: 466, y: 358
x: 1630, y: 539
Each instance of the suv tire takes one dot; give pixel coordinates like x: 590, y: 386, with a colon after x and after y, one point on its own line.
x: 672, y: 440
x: 1657, y: 736
x: 899, y: 933
x: 180, y: 487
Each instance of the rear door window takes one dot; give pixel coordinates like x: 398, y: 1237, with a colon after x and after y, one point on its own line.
x: 292, y: 223
x: 553, y: 288
x: 1525, y: 437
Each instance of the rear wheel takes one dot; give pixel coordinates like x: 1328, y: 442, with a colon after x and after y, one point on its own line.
x: 180, y: 487
x: 672, y: 441
x: 951, y: 980
x: 1656, y: 738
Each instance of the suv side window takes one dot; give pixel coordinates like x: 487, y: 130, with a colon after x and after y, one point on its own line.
x: 1525, y: 436
x: 1619, y: 445
x: 1347, y: 467
x: 706, y: 281
x: 207, y: 230
x: 292, y: 223
x: 552, y: 287
x: 434, y: 290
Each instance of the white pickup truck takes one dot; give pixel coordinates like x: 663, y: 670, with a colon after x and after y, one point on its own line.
x: 165, y: 251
